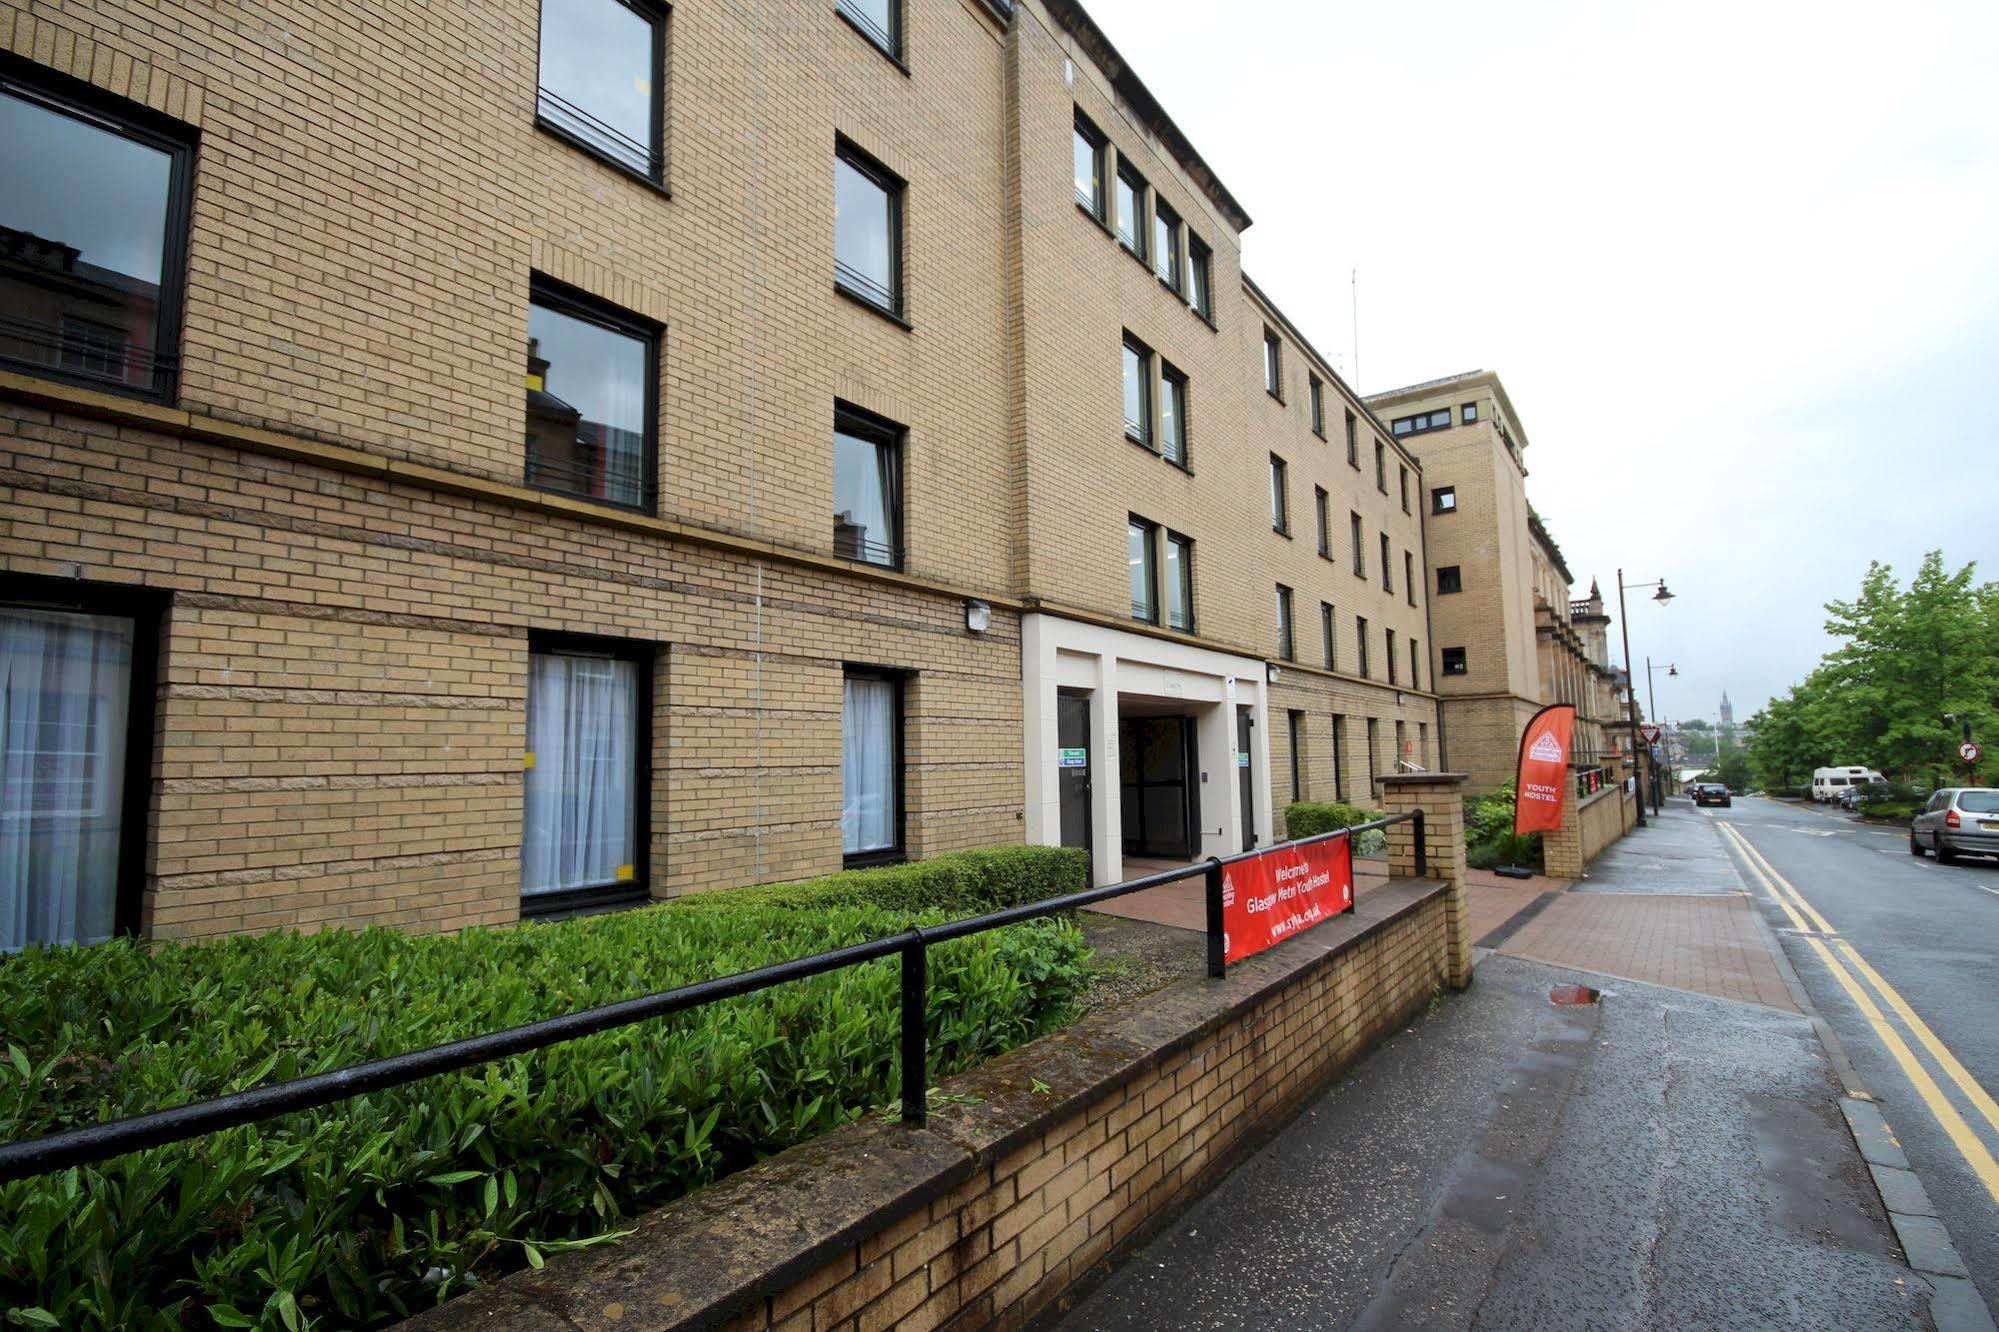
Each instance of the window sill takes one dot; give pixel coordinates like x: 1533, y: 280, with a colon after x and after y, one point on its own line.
x: 649, y: 507
x: 1099, y: 222
x: 875, y: 307
x: 870, y: 859
x: 871, y: 40
x: 1321, y: 434
x: 893, y: 566
x: 1282, y: 532
x: 555, y: 131
x: 583, y: 901
x: 1147, y: 448
x: 162, y: 397
x: 1271, y: 392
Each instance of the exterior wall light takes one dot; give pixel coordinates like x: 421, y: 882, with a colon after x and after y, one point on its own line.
x: 1274, y: 675
x: 978, y: 616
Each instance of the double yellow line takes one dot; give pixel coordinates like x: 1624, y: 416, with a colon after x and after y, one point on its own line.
x: 1800, y: 911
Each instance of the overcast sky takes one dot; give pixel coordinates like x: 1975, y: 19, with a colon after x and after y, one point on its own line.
x: 1737, y: 263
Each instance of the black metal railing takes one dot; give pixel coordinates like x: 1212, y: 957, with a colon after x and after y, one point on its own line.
x: 97, y: 1142
x: 599, y: 136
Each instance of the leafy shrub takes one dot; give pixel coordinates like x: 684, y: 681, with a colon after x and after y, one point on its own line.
x: 960, y: 883
x: 1788, y: 792
x: 364, y: 1211
x: 1506, y: 848
x: 1488, y: 816
x: 1308, y: 818
x: 1892, y: 811
x: 1874, y: 797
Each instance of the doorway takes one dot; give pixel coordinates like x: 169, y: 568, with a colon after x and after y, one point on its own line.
x: 1245, y: 719
x: 1072, y: 737
x: 1160, y: 805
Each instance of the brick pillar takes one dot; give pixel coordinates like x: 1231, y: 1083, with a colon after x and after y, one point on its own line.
x: 1562, y: 850
x: 1440, y: 795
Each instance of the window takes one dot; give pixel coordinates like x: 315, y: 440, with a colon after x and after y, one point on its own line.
x: 1470, y: 413
x: 880, y: 21
x: 1381, y: 467
x: 1141, y: 554
x: 1172, y: 414
x: 1131, y: 208
x: 1444, y: 499
x: 1373, y: 750
x: 93, y: 232
x: 1166, y: 244
x: 1387, y: 575
x: 75, y: 728
x: 1280, y: 500
x: 603, y: 65
x: 1287, y: 646
x: 1421, y: 422
x: 1393, y: 669
x: 1089, y: 150
x: 1339, y: 757
x: 1409, y: 576
x: 1353, y: 442
x: 1179, y: 582
x: 1201, y: 278
x: 592, y: 377
x: 1405, y: 489
x: 867, y: 487
x: 867, y: 230
x: 585, y: 782
x: 1320, y: 500
x: 1359, y: 554
x: 1415, y: 665
x: 1137, y: 391
x: 1296, y: 722
x: 871, y: 767
x: 1454, y: 661
x: 1360, y: 641
x: 1326, y: 635
x: 1273, y: 365
x: 1449, y: 580
x: 1400, y: 754
x: 1318, y: 393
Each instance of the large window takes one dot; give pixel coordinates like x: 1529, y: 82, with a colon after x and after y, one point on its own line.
x: 1454, y: 661
x: 66, y: 722
x: 1273, y: 365
x: 1280, y: 496
x: 880, y: 21
x: 1141, y: 544
x: 1415, y: 664
x: 1405, y: 489
x: 1295, y: 721
x: 871, y: 767
x: 1089, y: 153
x: 1444, y: 499
x: 867, y: 229
x: 1393, y: 669
x: 1131, y: 208
x: 592, y: 372
x: 1287, y: 641
x: 93, y: 225
x: 1387, y: 570
x: 584, y: 797
x: 1422, y: 422
x: 1318, y: 395
x: 1381, y: 467
x: 1353, y: 441
x: 1339, y: 757
x: 1409, y: 576
x: 603, y: 65
x: 1172, y: 415
x: 1449, y: 579
x: 1201, y: 277
x: 1166, y: 244
x: 1320, y: 504
x: 1137, y: 391
x: 867, y: 487
x: 1179, y: 582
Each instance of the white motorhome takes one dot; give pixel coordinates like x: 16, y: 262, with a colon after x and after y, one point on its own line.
x: 1827, y: 783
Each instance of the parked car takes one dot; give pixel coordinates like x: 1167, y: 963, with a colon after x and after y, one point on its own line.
x: 1712, y: 793
x: 1958, y: 820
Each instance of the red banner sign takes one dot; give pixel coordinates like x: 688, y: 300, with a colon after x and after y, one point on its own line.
x: 1544, y: 769
x: 1284, y: 891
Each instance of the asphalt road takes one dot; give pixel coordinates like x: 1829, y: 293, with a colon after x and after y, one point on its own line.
x: 1931, y: 932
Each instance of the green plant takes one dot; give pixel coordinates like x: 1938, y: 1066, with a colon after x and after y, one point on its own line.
x: 1506, y: 848
x: 1488, y: 816
x: 361, y: 1212
x: 961, y: 883
x: 1307, y: 818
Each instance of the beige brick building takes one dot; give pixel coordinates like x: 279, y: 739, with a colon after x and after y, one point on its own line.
x: 1510, y: 638
x: 580, y: 451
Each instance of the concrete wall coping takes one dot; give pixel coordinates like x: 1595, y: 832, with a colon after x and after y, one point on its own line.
x: 703, y: 1260
x: 1423, y: 778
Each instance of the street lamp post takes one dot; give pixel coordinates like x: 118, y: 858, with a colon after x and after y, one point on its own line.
x: 1652, y: 709
x: 1639, y: 767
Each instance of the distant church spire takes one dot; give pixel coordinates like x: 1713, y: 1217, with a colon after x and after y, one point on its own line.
x: 1727, y: 710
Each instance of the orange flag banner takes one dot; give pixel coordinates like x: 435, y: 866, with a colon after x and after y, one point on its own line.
x: 1544, y: 769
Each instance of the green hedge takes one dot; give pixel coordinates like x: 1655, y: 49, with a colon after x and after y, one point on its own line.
x: 1306, y: 818
x: 365, y: 1211
x: 961, y: 883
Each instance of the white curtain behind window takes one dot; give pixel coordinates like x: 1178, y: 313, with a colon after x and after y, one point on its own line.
x: 65, y: 683
x: 867, y: 770
x: 581, y: 790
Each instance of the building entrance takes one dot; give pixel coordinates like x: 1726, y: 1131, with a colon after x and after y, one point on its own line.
x: 1160, y: 800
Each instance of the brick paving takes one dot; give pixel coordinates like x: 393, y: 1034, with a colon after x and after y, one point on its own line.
x: 1704, y: 943
x: 1495, y: 901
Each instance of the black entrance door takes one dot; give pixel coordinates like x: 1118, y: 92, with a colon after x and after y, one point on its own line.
x: 1155, y: 758
x: 1243, y: 749
x: 1072, y: 738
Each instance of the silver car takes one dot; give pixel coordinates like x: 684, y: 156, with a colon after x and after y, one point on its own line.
x: 1958, y: 820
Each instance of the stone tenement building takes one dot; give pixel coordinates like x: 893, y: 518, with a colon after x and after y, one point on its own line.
x: 1510, y: 638
x: 466, y: 462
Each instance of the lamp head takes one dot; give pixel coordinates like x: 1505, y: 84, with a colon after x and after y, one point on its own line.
x: 1662, y: 596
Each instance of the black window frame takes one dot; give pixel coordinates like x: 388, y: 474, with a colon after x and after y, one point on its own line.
x: 1287, y: 624
x: 64, y: 95
x: 1280, y: 496
x: 1200, y: 278
x: 1139, y: 245
x: 1409, y: 576
x: 1405, y: 487
x: 1415, y: 663
x: 146, y: 608
x: 1147, y: 436
x: 1273, y: 363
x: 1339, y: 757
x: 1185, y: 545
x: 1469, y: 413
x: 897, y: 852
x: 559, y: 296
x: 1353, y: 441
x: 1463, y: 666
x: 654, y: 174
x: 1421, y: 423
x: 1100, y: 143
x: 892, y: 43
x: 643, y: 656
x: 1329, y: 635
x: 1360, y: 641
x: 897, y: 190
x: 1444, y: 499
x: 1163, y: 216
x: 1387, y: 565
x: 852, y: 419
x: 1316, y: 388
x: 1357, y: 538
x: 1388, y: 655
x: 1381, y: 467
x: 1171, y: 378
x: 1296, y: 722
x: 1450, y: 580
x: 1322, y: 506
x: 1150, y: 531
